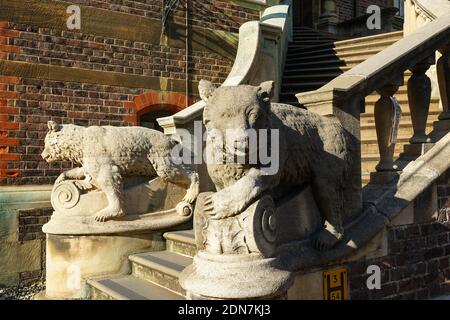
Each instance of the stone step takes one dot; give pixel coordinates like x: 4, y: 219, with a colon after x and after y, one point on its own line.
x: 182, y: 242
x: 369, y: 48
x: 363, y: 40
x: 369, y: 118
x: 370, y: 106
x: 305, y: 78
x: 312, y: 70
x: 370, y: 161
x: 332, y: 55
x: 129, y: 288
x: 405, y: 129
x: 162, y: 268
x: 370, y: 145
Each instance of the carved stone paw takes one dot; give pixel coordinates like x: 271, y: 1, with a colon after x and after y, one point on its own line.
x: 222, y: 204
x: 327, y: 238
x: 108, y: 214
x: 191, y: 195
x: 62, y: 177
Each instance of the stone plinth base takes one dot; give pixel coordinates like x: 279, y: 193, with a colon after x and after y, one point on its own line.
x: 235, y: 277
x: 415, y: 150
x: 70, y: 260
x: 384, y: 177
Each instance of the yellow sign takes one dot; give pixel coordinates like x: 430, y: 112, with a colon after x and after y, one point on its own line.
x: 335, y: 285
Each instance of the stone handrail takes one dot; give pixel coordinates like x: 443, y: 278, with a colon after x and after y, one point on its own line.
x: 261, y: 43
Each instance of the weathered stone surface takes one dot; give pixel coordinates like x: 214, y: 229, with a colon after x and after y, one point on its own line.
x: 16, y: 257
x: 71, y: 260
x: 107, y: 156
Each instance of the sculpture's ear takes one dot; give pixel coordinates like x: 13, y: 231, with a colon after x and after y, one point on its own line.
x: 266, y: 90
x: 206, y: 89
x: 53, y: 126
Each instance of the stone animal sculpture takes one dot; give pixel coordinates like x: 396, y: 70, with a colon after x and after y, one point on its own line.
x: 108, y: 154
x: 313, y: 150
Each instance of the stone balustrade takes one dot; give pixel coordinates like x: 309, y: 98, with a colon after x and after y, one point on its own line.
x: 383, y: 73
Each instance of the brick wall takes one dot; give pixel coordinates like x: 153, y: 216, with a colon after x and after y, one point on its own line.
x: 30, y: 229
x: 346, y: 7
x: 28, y: 102
x: 416, y: 267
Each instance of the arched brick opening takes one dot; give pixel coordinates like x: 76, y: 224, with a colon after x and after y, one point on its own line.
x: 153, y: 101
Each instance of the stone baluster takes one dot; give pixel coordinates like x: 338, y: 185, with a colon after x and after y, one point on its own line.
x: 386, y: 127
x: 442, y: 126
x: 443, y: 71
x: 419, y: 98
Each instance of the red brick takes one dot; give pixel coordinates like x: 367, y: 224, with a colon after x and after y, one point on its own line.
x: 6, y: 48
x: 8, y: 110
x: 3, y: 56
x: 3, y: 40
x: 9, y: 142
x: 9, y: 125
x: 3, y: 165
x: 131, y: 118
x: 4, y: 149
x: 4, y: 24
x: 129, y: 105
x: 9, y: 80
x: 9, y: 33
x: 10, y: 157
x: 9, y: 95
x: 9, y: 173
x: 3, y: 117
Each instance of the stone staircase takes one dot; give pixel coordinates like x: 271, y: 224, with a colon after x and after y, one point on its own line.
x: 154, y: 275
x: 315, y: 58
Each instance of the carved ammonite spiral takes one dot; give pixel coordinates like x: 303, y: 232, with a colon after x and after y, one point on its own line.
x: 65, y: 195
x: 184, y: 209
x: 266, y: 209
x: 261, y: 226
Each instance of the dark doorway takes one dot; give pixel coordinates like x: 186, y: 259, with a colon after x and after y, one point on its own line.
x: 302, y: 11
x: 148, y: 119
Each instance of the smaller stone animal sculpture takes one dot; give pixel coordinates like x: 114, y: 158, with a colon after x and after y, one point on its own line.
x: 106, y: 155
x: 313, y: 150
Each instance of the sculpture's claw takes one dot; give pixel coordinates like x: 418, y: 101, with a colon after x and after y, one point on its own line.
x: 191, y: 196
x: 60, y: 179
x: 107, y: 214
x: 326, y: 239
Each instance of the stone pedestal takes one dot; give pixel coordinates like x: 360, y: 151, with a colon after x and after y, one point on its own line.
x: 70, y: 260
x: 413, y: 151
x: 328, y: 19
x: 234, y: 276
x: 384, y: 177
x: 244, y: 248
x: 440, y: 129
x: 80, y: 248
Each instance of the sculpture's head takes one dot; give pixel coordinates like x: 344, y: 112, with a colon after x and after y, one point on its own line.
x: 59, y: 142
x: 236, y: 112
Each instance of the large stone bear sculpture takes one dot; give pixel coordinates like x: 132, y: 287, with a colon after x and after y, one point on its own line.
x: 313, y: 150
x: 109, y: 154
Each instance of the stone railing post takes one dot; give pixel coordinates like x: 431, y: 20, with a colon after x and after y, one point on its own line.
x: 419, y: 98
x: 443, y: 69
x: 387, y: 118
x: 442, y: 127
x: 328, y: 19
